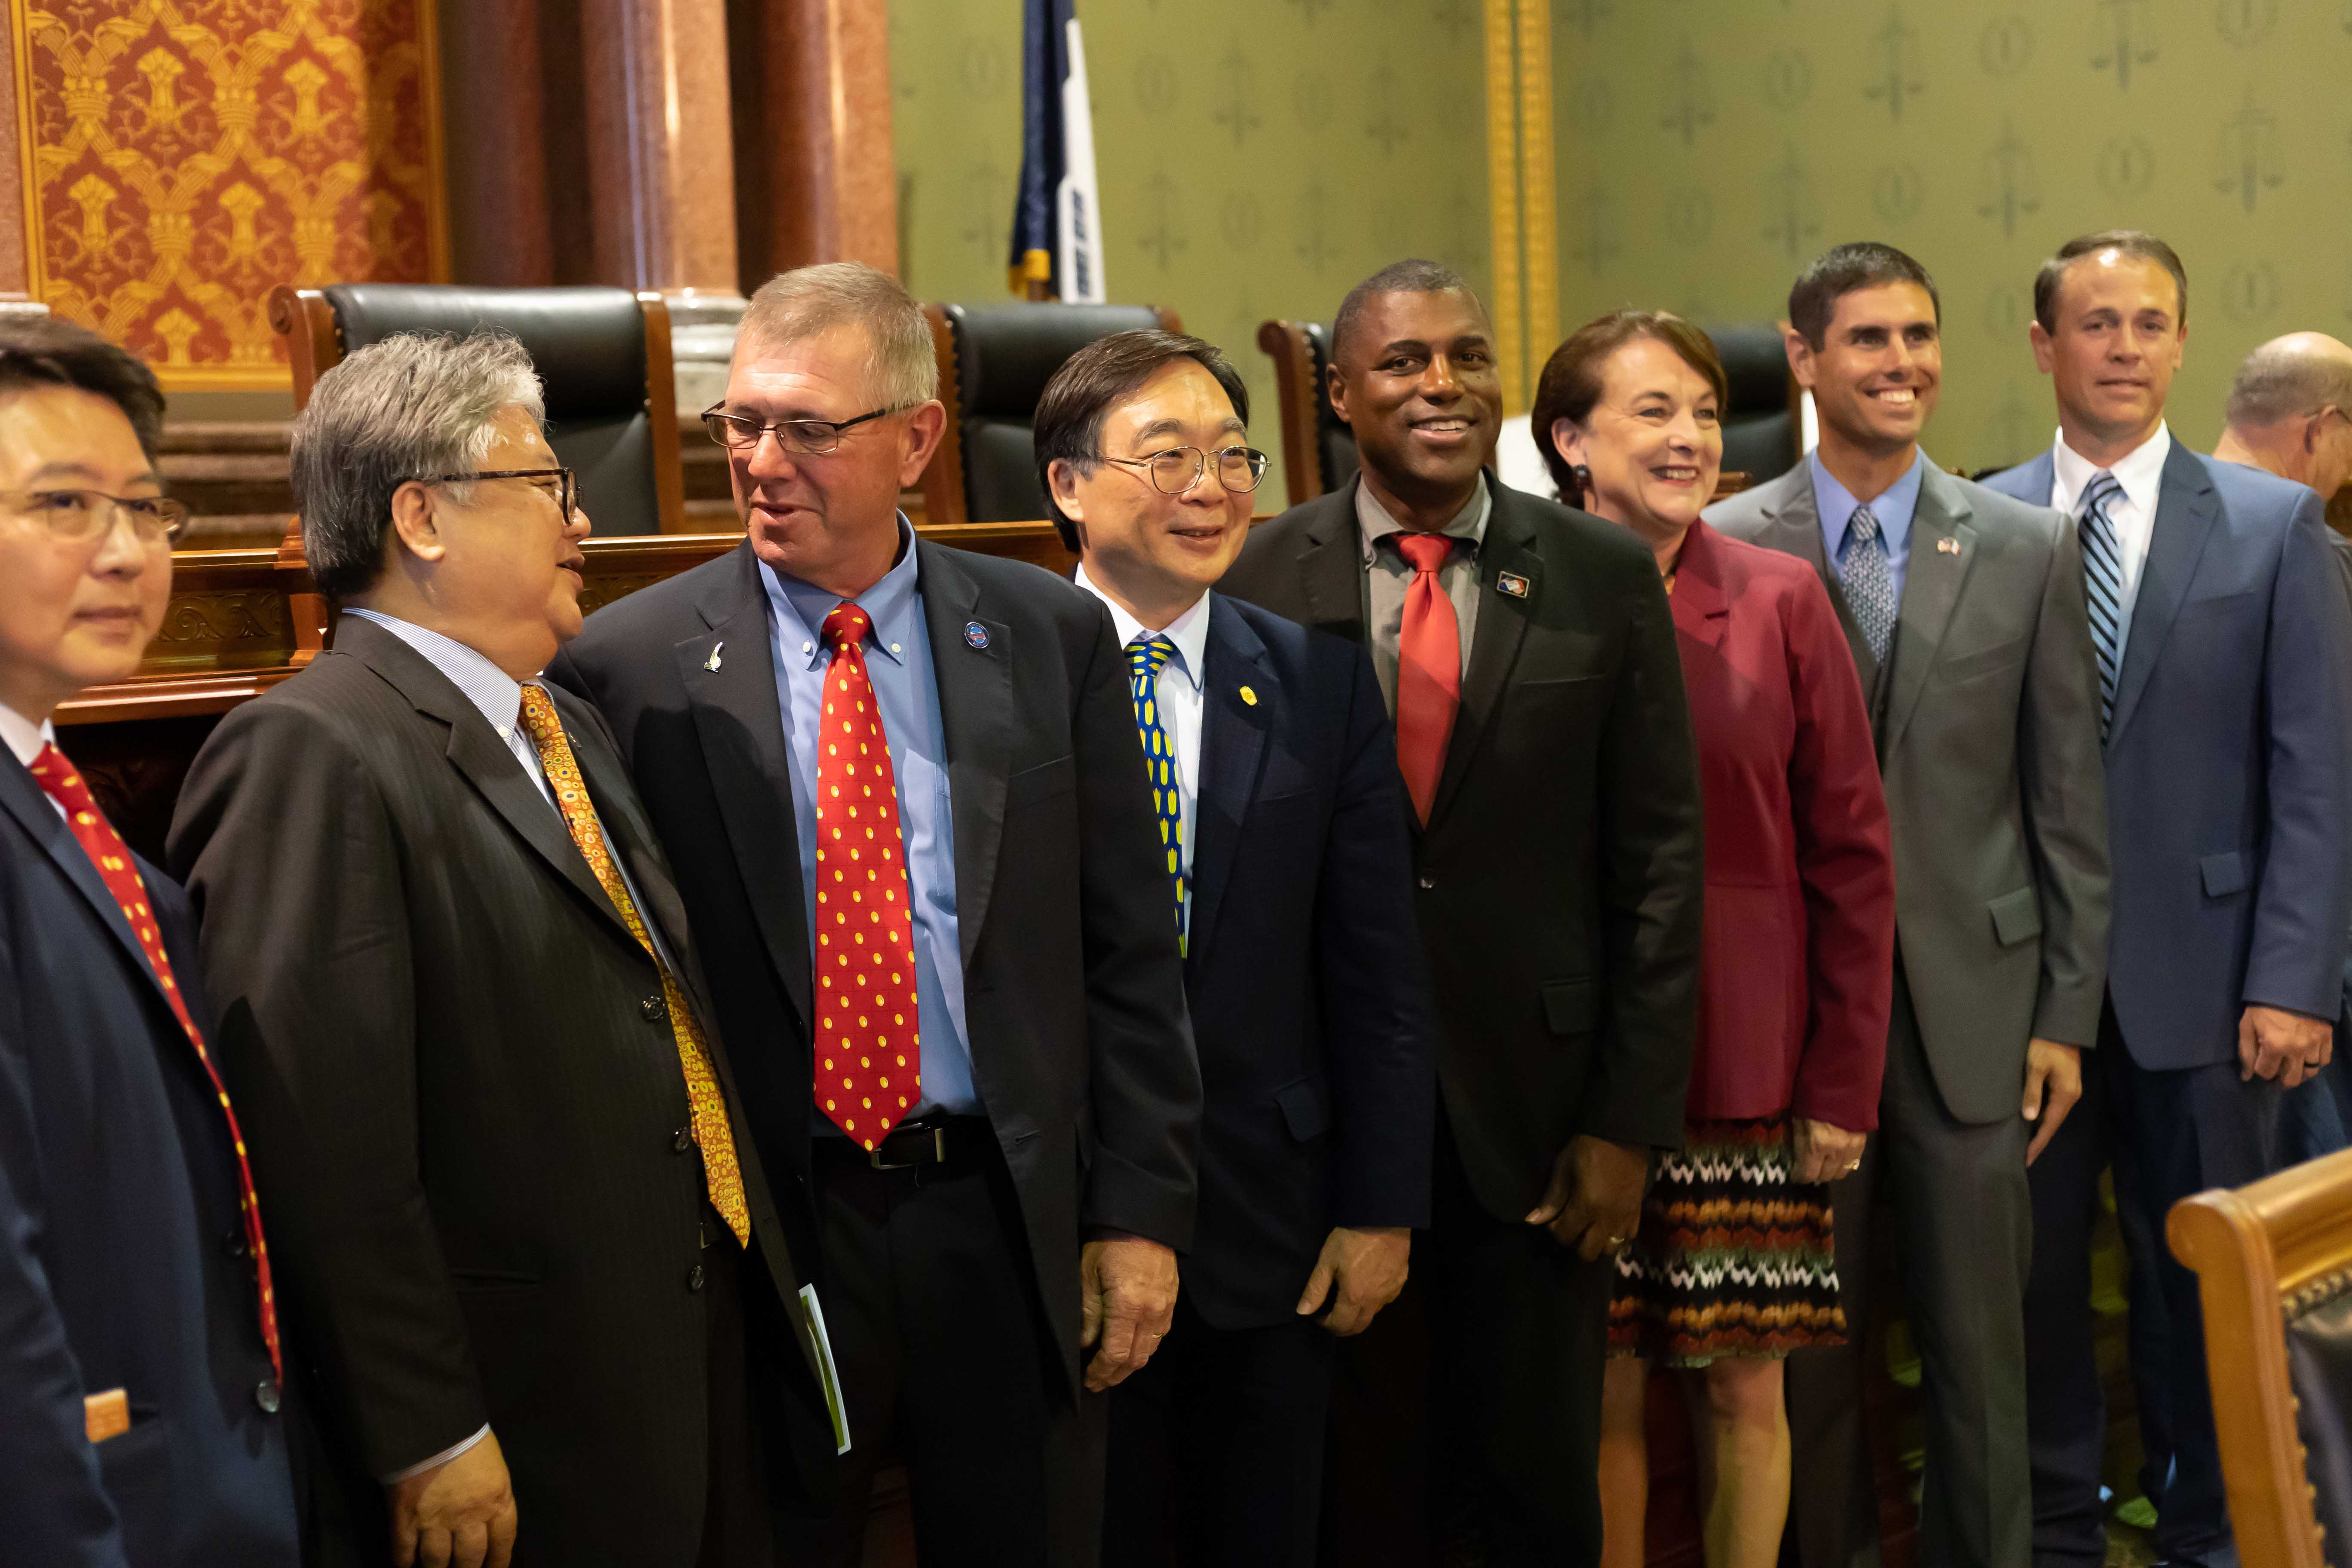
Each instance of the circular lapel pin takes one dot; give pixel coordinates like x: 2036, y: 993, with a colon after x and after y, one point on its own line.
x: 975, y: 634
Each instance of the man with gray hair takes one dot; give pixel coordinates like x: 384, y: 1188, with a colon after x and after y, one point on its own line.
x: 865, y: 749
x: 2290, y: 411
x: 532, y: 1277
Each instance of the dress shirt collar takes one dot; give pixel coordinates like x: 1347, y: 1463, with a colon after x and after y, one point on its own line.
x: 23, y: 738
x: 1373, y: 523
x: 891, y: 604
x: 498, y: 694
x: 1893, y: 508
x: 1189, y: 631
x: 2141, y: 473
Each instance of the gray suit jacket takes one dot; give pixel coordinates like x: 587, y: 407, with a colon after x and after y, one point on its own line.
x: 1988, y: 729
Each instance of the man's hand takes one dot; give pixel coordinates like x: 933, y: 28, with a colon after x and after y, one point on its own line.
x: 1369, y: 1269
x: 2288, y: 1047
x: 1824, y: 1153
x: 1594, y: 1201
x: 2054, y: 1082
x: 1126, y: 1296
x: 457, y: 1515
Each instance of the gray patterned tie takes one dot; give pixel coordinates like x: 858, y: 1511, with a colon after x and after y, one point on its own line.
x: 2102, y: 586
x: 1869, y: 584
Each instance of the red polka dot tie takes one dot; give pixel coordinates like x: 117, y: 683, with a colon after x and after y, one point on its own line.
x: 870, y: 1064
x: 112, y: 856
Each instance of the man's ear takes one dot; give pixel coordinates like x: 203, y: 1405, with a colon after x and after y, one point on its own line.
x: 416, y: 522
x: 1800, y: 355
x: 1336, y: 385
x: 1062, y: 479
x: 926, y: 424
x: 2045, y: 348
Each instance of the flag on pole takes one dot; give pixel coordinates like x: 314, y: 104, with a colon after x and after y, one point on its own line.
x: 1056, y: 216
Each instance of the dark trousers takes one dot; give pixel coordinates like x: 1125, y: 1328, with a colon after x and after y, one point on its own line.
x: 737, y: 1528
x: 1216, y: 1448
x: 944, y: 1361
x: 2169, y: 1134
x: 1963, y: 1217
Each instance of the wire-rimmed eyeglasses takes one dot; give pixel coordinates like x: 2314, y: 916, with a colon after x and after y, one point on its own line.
x: 1178, y: 470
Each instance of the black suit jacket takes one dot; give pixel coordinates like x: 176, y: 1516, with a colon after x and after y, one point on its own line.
x: 1073, y: 996
x: 465, y: 1105
x: 122, y: 1262
x: 1310, y: 996
x: 1560, y: 871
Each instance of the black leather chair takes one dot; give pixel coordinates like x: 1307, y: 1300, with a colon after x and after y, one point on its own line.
x: 995, y: 361
x: 1762, y: 434
x: 1319, y: 451
x: 2273, y: 1264
x: 604, y: 355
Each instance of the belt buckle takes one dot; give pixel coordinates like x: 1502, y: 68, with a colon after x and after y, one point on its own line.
x: 939, y: 1154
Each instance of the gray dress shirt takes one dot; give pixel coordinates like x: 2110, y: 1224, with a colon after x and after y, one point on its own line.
x: 1388, y: 575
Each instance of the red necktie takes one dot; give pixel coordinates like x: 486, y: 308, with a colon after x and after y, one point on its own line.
x: 1429, y: 669
x: 869, y: 1063
x: 112, y: 856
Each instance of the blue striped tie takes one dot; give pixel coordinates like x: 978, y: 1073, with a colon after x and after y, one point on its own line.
x: 2102, y: 586
x: 1146, y: 656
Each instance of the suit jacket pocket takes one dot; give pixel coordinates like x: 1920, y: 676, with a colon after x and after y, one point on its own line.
x: 2217, y: 603
x: 1570, y: 1006
x: 1044, y: 782
x: 1303, y: 1110
x: 2223, y: 874
x: 136, y: 1468
x: 1984, y: 661
x: 2016, y: 917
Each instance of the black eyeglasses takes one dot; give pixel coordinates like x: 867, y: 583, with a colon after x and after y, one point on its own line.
x: 558, y: 483
x: 84, y: 517
x: 807, y: 437
x: 1179, y: 468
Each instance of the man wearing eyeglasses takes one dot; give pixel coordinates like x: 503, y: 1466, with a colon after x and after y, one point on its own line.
x: 900, y: 783
x: 532, y: 1265
x: 140, y: 1417
x: 1289, y: 881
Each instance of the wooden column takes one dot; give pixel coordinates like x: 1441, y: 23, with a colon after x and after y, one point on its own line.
x: 661, y: 160
x: 16, y: 238
x: 816, y: 176
x: 495, y: 102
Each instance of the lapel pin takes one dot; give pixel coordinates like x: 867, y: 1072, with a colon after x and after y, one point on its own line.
x: 975, y: 634
x: 1948, y: 545
x: 713, y: 662
x: 1249, y: 697
x: 1511, y: 582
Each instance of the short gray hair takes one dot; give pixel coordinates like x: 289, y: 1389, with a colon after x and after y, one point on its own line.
x: 409, y: 407
x: 2286, y: 378
x: 800, y: 304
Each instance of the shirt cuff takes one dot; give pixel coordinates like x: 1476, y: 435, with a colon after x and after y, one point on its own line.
x: 443, y: 1457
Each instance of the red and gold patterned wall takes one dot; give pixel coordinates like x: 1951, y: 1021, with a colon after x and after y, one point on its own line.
x: 180, y: 160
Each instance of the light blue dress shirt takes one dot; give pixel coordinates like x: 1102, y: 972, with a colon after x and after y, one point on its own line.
x: 899, y: 661
x: 1893, y: 509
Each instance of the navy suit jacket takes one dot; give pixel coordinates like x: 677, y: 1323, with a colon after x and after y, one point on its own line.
x: 2228, y: 782
x: 121, y: 1255
x: 1304, y: 969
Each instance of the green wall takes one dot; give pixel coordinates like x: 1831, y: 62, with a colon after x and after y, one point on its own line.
x: 1705, y: 150
x: 1255, y: 157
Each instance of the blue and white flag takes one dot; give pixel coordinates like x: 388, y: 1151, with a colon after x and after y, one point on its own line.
x: 1056, y: 216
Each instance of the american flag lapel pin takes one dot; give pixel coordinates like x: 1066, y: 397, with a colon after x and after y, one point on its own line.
x: 1948, y: 545
x: 713, y: 662
x: 1511, y: 582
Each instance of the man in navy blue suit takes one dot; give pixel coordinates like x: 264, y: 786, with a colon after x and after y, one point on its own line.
x: 140, y: 1407
x: 2222, y: 641
x: 1282, y: 819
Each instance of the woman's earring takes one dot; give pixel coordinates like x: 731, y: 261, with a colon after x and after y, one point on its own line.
x: 1584, y: 477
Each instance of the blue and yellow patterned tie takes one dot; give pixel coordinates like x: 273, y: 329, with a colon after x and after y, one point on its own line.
x: 1146, y: 656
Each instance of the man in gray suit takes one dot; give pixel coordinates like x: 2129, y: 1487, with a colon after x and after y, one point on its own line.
x: 1965, y: 612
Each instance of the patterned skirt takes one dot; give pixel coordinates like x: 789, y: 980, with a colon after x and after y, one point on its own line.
x: 1732, y: 1258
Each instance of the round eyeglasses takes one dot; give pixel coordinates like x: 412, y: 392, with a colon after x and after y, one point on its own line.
x: 1179, y: 468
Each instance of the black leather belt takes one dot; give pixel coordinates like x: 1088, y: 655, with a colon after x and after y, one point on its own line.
x: 947, y: 1141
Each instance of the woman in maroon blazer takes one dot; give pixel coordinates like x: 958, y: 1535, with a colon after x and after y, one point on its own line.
x: 1732, y: 1267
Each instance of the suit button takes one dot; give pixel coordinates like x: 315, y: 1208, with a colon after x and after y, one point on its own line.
x: 681, y: 1141
x: 694, y: 1278
x: 655, y: 1010
x: 266, y: 1396
x: 1428, y: 882
x: 233, y: 1244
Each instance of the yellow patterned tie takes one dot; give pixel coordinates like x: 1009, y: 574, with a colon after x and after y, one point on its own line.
x: 719, y: 1170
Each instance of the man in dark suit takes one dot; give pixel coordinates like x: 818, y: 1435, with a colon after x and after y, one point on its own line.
x: 1964, y: 611
x: 1273, y: 775
x: 141, y: 1417
x: 1013, y: 1190
x: 2221, y: 632
x: 1528, y: 654
x: 530, y: 1252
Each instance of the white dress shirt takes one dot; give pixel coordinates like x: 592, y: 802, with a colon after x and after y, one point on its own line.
x: 24, y: 739
x: 2141, y: 474
x: 1176, y: 693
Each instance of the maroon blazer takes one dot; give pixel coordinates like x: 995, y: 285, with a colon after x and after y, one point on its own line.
x: 1796, y: 963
